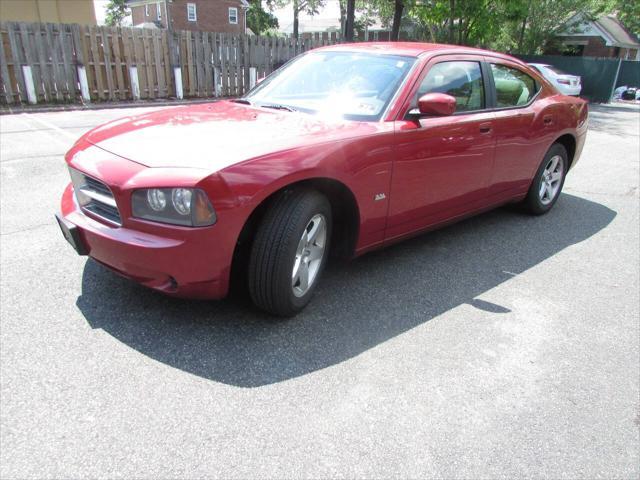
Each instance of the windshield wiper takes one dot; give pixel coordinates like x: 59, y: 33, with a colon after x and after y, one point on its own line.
x: 277, y: 106
x: 243, y: 101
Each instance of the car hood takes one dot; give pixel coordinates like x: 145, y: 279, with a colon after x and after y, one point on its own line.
x: 216, y: 135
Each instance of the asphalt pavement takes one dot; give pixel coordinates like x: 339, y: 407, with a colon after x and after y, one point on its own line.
x: 503, y: 346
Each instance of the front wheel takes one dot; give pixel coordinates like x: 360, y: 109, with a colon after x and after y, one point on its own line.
x: 548, y: 181
x: 290, y: 251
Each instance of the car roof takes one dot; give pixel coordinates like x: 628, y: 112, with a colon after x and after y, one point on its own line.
x: 413, y: 49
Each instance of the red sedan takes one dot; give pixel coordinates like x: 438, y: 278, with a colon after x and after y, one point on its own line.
x: 348, y: 148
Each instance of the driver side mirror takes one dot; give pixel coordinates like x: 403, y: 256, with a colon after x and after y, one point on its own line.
x: 439, y: 104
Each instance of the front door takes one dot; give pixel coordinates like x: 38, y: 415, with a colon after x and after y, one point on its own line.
x: 442, y: 165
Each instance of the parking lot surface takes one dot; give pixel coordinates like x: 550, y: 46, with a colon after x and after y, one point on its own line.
x: 502, y: 346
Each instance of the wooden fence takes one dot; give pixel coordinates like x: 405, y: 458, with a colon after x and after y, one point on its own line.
x: 47, y: 63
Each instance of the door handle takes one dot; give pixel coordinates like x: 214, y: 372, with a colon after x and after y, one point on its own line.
x: 547, y: 119
x: 485, y: 127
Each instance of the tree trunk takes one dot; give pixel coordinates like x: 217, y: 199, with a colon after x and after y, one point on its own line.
x: 452, y: 10
x: 296, y: 11
x: 397, y: 17
x: 521, y: 39
x: 467, y: 32
x: 343, y: 18
x: 349, y: 24
x: 523, y: 28
x: 432, y: 33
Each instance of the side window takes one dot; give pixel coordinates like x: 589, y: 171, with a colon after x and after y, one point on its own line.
x: 513, y: 87
x: 461, y: 80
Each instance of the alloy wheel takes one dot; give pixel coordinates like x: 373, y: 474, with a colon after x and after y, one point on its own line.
x: 551, y: 180
x: 309, y: 255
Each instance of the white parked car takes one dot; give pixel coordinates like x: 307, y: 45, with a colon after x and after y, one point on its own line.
x: 565, y: 83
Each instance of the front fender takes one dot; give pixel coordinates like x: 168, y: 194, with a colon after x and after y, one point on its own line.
x: 363, y: 165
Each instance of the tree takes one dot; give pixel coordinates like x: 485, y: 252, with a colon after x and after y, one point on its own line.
x: 310, y: 7
x: 259, y: 20
x: 397, y: 18
x: 629, y: 14
x: 350, y: 20
x: 366, y: 8
x: 117, y: 10
x: 524, y: 26
x: 541, y: 20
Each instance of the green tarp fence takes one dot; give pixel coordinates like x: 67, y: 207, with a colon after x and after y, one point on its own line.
x: 629, y: 74
x: 600, y: 76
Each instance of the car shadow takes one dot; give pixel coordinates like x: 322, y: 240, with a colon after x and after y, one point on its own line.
x: 357, y: 306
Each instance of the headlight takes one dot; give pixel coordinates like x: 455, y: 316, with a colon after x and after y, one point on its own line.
x: 178, y: 206
x: 181, y: 198
x: 156, y: 199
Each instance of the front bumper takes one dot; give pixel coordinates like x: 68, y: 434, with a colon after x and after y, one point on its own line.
x: 182, y: 262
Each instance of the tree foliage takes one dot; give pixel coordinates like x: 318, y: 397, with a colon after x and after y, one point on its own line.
x: 629, y: 14
x: 523, y: 26
x: 259, y: 20
x: 517, y: 26
x: 538, y: 21
x: 116, y: 12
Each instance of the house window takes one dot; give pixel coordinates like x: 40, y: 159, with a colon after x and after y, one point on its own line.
x: 146, y: 10
x: 159, y: 10
x: 233, y: 15
x: 191, y: 12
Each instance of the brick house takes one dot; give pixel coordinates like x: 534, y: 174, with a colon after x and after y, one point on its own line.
x: 604, y: 36
x: 224, y: 16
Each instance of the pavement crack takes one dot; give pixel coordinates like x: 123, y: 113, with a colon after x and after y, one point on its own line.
x: 26, y: 229
x: 32, y: 157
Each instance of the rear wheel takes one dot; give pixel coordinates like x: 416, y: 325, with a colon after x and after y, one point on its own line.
x: 290, y: 251
x: 548, y: 181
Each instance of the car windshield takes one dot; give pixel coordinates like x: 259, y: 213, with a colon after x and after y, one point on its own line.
x: 349, y: 85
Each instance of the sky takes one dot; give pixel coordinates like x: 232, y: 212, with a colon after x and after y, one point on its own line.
x: 100, y: 6
x: 328, y: 16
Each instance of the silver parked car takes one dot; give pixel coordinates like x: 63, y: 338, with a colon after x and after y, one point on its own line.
x: 565, y: 83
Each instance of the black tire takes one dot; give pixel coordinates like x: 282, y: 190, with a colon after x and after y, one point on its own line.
x: 273, y: 253
x: 533, y: 203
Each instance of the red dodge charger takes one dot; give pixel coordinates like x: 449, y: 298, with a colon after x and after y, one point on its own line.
x: 346, y: 148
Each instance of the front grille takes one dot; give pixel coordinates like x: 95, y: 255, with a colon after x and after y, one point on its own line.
x: 95, y: 197
x: 98, y: 186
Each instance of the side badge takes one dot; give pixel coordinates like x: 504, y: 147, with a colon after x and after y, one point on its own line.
x: 379, y: 196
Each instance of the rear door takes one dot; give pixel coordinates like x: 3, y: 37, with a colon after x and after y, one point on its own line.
x: 522, y: 128
x: 442, y: 165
